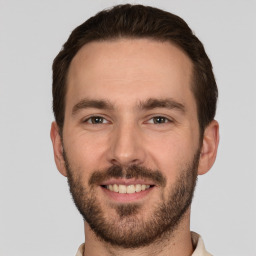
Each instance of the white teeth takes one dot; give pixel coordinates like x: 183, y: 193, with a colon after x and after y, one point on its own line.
x: 138, y: 188
x: 129, y: 189
x: 115, y: 188
x: 122, y: 189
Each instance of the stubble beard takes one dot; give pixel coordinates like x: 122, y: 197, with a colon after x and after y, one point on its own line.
x: 130, y: 230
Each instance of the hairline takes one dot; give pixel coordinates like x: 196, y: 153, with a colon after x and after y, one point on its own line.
x: 136, y: 37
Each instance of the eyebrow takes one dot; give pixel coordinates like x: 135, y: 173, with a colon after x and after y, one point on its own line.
x: 87, y: 103
x: 149, y: 104
x: 161, y: 103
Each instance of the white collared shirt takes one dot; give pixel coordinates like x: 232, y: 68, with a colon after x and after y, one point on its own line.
x: 197, y: 241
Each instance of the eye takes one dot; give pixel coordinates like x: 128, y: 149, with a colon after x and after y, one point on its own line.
x: 159, y: 120
x: 96, y: 120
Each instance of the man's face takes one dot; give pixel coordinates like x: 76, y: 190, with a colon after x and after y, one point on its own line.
x: 131, y: 126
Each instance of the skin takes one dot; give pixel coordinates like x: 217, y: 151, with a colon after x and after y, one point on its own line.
x: 125, y: 72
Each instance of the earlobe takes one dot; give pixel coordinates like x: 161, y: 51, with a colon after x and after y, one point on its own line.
x: 209, y: 147
x: 58, y: 149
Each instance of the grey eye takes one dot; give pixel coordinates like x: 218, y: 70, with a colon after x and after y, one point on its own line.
x: 96, y: 120
x: 159, y: 120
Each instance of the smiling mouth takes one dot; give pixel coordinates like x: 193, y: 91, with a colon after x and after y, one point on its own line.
x: 127, y: 189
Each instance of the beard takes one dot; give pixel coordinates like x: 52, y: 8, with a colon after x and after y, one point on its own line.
x: 129, y: 229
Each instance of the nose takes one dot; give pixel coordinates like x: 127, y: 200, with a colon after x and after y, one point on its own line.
x: 126, y: 146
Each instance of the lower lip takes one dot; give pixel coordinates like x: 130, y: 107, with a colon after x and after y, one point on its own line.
x: 118, y: 197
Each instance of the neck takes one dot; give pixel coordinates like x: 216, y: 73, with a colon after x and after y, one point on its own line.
x: 177, y: 243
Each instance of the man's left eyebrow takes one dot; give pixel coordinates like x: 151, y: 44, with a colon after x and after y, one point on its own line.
x: 161, y: 103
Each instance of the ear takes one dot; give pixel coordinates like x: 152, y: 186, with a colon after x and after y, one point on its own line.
x: 209, y: 147
x: 58, y: 149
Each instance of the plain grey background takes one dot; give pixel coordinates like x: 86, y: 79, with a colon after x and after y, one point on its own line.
x: 37, y: 215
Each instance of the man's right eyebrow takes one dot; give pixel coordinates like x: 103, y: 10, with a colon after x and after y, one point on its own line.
x: 89, y: 103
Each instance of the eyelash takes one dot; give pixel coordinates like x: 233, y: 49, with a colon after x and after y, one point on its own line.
x: 162, y: 118
x: 166, y: 120
x: 94, y: 117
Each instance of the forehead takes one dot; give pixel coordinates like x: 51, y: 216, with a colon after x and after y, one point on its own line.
x: 133, y: 68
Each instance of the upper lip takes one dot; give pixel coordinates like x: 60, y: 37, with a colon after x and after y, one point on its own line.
x: 126, y: 182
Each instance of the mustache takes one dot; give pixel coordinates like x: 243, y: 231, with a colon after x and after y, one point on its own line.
x: 133, y: 171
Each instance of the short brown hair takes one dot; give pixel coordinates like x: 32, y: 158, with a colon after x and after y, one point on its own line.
x: 138, y: 21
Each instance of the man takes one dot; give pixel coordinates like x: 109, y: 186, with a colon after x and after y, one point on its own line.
x: 134, y: 98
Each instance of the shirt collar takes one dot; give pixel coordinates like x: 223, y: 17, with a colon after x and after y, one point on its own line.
x: 197, y: 242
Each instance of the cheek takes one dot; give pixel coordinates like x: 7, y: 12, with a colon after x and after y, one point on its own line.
x: 85, y: 152
x: 171, y: 153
